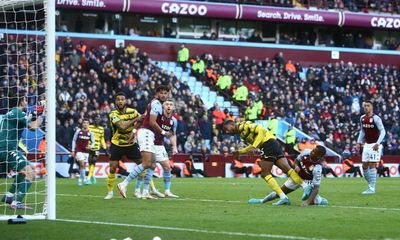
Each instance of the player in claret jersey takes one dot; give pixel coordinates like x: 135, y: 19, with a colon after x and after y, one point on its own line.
x: 146, y: 137
x: 309, y: 167
x: 168, y: 123
x: 80, y: 149
x: 371, y: 135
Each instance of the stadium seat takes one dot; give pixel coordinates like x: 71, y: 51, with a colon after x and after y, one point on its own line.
x: 178, y: 69
x: 186, y: 74
x: 178, y: 75
x: 164, y: 65
x: 212, y: 96
x: 170, y: 69
x: 226, y: 104
x: 172, y: 64
x: 199, y: 85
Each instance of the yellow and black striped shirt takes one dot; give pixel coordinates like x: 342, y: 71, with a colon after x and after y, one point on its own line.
x: 121, y: 137
x: 253, y: 134
x: 98, y: 133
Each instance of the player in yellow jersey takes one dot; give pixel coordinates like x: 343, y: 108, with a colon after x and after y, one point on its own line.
x: 99, y: 142
x: 122, y: 121
x: 271, y: 154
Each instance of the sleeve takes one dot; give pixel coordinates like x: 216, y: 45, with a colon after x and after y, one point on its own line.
x: 156, y: 108
x: 317, y: 173
x: 382, y: 132
x: 361, y: 135
x: 74, y: 139
x: 92, y: 140
x: 114, y: 118
x: 22, y: 119
x: 257, y: 129
x: 102, y: 140
x: 175, y: 122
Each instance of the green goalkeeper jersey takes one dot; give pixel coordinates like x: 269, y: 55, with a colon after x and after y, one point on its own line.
x: 11, y: 126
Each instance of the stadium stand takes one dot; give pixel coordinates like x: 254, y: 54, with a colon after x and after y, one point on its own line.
x: 322, y: 101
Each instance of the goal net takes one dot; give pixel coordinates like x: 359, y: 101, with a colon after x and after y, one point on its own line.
x: 23, y: 85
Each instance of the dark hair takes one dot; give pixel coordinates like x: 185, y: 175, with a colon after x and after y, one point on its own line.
x: 227, y: 122
x: 85, y: 119
x: 120, y: 94
x: 162, y: 88
x: 369, y: 101
x: 321, y: 149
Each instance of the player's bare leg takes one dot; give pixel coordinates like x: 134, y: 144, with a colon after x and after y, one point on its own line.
x: 283, y: 164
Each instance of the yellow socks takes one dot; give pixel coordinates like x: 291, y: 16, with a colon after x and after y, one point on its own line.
x: 296, y: 178
x: 273, y: 184
x: 91, y: 171
x: 110, y: 182
x: 152, y: 185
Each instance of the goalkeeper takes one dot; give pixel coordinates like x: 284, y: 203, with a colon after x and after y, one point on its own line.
x: 271, y: 154
x: 11, y: 126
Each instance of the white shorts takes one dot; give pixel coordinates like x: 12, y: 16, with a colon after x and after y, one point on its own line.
x: 80, y: 156
x: 161, y: 153
x: 369, y: 154
x: 145, y: 139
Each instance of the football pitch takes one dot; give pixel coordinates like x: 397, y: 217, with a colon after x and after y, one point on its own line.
x: 217, y: 208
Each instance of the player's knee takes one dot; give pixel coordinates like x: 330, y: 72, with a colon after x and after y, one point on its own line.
x: 113, y: 166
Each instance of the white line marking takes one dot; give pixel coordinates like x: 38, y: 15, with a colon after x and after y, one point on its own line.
x: 234, y: 201
x: 259, y: 235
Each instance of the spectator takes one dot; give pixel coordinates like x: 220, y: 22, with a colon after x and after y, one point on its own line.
x: 241, y: 94
x: 175, y: 170
x: 189, y: 168
x: 326, y: 169
x: 219, y: 116
x: 205, y: 36
x: 251, y: 112
x: 383, y: 170
x: 290, y: 140
x: 224, y: 82
x: 349, y: 167
x: 238, y: 167
x: 205, y: 128
x: 183, y: 56
x: 68, y: 45
x: 168, y: 32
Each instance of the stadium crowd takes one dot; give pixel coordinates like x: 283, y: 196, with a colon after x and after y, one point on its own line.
x: 88, y: 78
x: 324, y: 101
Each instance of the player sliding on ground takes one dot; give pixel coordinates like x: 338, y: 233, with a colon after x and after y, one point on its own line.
x: 271, y: 154
x: 309, y: 167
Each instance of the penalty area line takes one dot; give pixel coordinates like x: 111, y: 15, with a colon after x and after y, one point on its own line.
x: 193, y: 230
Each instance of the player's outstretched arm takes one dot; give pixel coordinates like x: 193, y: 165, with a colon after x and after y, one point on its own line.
x: 313, y: 194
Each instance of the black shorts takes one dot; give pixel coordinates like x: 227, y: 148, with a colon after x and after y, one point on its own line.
x: 131, y: 152
x: 271, y: 151
x: 93, y: 157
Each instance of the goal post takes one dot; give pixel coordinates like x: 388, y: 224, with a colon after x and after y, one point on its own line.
x: 27, y: 69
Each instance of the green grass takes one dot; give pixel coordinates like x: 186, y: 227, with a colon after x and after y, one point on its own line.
x: 217, y: 208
